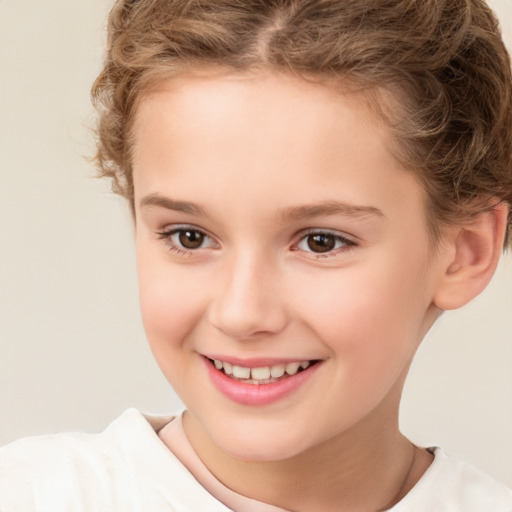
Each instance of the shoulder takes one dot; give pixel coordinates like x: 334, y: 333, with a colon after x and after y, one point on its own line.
x: 125, y: 467
x: 70, y: 450
x: 452, y: 485
x: 43, y: 472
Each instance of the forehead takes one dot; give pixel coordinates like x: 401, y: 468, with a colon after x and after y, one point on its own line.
x: 267, y: 108
x: 214, y: 95
x: 267, y: 133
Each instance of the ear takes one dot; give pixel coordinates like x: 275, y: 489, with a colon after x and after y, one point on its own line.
x: 471, y: 255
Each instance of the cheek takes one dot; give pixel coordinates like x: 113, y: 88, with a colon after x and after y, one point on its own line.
x: 171, y: 310
x: 371, y: 323
x: 369, y: 311
x: 170, y: 301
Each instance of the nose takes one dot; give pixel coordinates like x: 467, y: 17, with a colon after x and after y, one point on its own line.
x: 248, y: 303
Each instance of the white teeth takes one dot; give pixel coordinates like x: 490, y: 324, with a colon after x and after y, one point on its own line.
x: 260, y: 373
x: 292, y: 368
x: 240, y: 372
x: 277, y: 371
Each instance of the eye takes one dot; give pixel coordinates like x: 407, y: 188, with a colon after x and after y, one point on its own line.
x: 183, y: 239
x: 188, y: 238
x: 321, y: 242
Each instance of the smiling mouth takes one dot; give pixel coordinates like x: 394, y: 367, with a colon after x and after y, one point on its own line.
x: 261, y: 374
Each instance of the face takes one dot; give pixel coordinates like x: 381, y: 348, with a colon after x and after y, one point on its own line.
x: 285, y: 270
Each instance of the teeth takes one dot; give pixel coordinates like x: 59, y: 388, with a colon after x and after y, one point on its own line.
x: 228, y: 368
x: 240, y: 372
x: 277, y: 371
x: 292, y: 368
x: 261, y: 374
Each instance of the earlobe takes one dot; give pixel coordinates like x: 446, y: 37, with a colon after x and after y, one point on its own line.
x: 472, y: 256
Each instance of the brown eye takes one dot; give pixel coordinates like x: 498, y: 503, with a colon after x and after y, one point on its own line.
x: 321, y: 242
x: 186, y: 239
x: 190, y: 239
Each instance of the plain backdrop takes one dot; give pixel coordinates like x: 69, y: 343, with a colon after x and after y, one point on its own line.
x: 72, y: 349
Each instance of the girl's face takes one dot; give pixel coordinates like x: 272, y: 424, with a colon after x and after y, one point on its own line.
x: 275, y: 234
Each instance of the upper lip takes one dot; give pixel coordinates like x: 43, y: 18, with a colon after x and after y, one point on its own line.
x: 256, y: 362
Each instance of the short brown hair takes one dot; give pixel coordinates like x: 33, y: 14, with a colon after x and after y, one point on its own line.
x: 443, y: 61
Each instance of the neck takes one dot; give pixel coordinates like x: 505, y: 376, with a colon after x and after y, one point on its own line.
x: 368, y: 468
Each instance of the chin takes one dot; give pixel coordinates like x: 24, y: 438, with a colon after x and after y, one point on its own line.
x: 262, y: 442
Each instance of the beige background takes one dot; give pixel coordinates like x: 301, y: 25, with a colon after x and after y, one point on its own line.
x: 72, y: 349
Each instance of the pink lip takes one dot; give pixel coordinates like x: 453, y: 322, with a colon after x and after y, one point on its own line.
x: 257, y: 394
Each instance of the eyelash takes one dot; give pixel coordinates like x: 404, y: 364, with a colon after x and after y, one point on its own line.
x: 167, y: 234
x: 346, y: 243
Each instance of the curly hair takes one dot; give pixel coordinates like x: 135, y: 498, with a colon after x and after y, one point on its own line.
x: 442, y: 62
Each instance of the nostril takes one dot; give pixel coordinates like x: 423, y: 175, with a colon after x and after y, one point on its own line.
x: 246, y: 304
x: 247, y: 324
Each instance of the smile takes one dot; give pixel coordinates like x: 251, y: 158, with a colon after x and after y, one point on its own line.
x: 262, y: 374
x: 257, y: 383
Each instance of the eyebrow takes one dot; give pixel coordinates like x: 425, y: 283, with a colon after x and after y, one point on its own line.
x: 171, y: 204
x: 329, y: 208
x: 292, y: 213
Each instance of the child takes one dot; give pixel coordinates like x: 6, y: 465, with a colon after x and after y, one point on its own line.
x: 312, y: 183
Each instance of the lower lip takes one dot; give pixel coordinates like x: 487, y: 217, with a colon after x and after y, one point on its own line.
x: 257, y: 394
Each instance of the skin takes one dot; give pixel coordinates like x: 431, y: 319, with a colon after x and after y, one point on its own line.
x: 247, y: 150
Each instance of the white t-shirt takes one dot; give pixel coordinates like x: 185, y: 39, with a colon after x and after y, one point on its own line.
x: 127, y: 468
